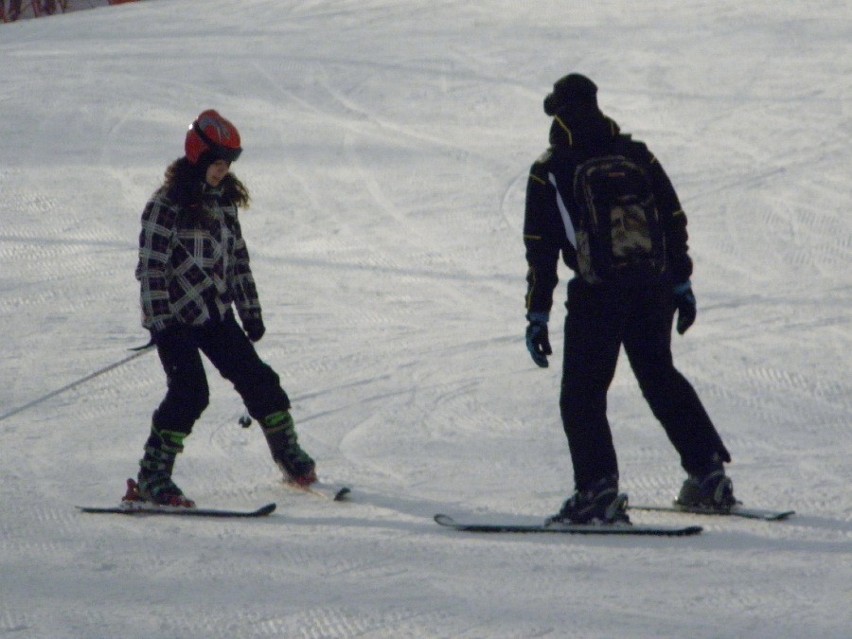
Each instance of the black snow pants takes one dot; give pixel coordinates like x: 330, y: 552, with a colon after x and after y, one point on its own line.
x: 230, y: 351
x: 639, y: 315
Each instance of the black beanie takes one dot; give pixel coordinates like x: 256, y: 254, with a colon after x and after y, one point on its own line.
x: 573, y: 89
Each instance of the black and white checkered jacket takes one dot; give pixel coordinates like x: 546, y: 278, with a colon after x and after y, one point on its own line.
x: 192, y: 261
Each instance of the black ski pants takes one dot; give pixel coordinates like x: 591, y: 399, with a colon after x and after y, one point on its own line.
x: 230, y: 351
x: 638, y: 315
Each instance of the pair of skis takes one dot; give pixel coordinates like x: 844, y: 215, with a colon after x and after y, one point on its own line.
x: 339, y: 492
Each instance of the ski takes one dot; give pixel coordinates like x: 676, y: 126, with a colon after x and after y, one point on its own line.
x: 324, y: 490
x: 571, y: 529
x: 142, y: 508
x: 133, y: 504
x: 736, y: 511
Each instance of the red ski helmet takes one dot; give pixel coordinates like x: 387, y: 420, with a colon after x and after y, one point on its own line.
x: 213, y: 134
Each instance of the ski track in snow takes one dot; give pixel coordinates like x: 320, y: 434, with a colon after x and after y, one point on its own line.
x: 387, y: 146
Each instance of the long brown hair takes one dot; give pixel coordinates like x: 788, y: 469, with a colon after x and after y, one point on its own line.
x: 183, y: 182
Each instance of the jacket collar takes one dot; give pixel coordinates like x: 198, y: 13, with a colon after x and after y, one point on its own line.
x: 583, y: 129
x: 210, y: 191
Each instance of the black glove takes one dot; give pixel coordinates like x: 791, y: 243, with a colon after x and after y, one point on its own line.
x: 685, y: 303
x: 254, y: 328
x: 168, y: 335
x: 538, y: 341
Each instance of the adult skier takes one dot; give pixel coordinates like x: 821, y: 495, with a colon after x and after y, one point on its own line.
x: 193, y: 270
x: 604, y: 202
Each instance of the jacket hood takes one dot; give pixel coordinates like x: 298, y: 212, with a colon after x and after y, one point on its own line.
x: 583, y: 129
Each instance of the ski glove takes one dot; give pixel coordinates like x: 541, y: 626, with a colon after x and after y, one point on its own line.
x: 538, y: 341
x: 254, y: 328
x: 166, y: 335
x: 685, y: 303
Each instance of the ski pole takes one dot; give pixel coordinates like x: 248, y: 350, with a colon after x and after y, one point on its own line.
x: 137, y: 352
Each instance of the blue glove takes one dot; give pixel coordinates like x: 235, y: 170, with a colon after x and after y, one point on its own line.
x: 685, y: 303
x: 538, y: 341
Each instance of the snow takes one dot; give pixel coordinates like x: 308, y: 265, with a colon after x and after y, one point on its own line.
x: 386, y: 148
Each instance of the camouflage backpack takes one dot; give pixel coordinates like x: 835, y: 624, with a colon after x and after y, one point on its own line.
x: 618, y: 229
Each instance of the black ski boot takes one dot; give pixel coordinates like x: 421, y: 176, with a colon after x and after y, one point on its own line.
x: 600, y: 504
x: 154, y: 481
x: 712, y: 491
x: 295, y: 463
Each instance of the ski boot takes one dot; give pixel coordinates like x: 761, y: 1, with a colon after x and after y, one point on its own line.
x: 600, y: 504
x: 712, y: 491
x: 154, y: 482
x: 295, y: 463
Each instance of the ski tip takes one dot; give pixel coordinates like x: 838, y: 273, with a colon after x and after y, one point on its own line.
x: 327, y: 490
x: 778, y: 516
x: 268, y: 509
x: 444, y: 520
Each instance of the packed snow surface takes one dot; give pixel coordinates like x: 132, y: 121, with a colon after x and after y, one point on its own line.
x: 387, y: 145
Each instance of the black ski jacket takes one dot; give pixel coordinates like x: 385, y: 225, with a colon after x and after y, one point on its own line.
x: 575, y: 137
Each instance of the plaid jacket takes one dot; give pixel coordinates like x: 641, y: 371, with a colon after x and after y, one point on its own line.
x: 193, y: 261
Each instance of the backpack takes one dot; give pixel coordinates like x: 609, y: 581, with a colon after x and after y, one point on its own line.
x: 618, y: 231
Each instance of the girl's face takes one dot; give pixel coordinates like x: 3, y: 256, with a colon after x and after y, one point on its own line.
x: 217, y: 171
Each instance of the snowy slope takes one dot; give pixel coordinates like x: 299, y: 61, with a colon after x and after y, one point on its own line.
x: 387, y: 146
